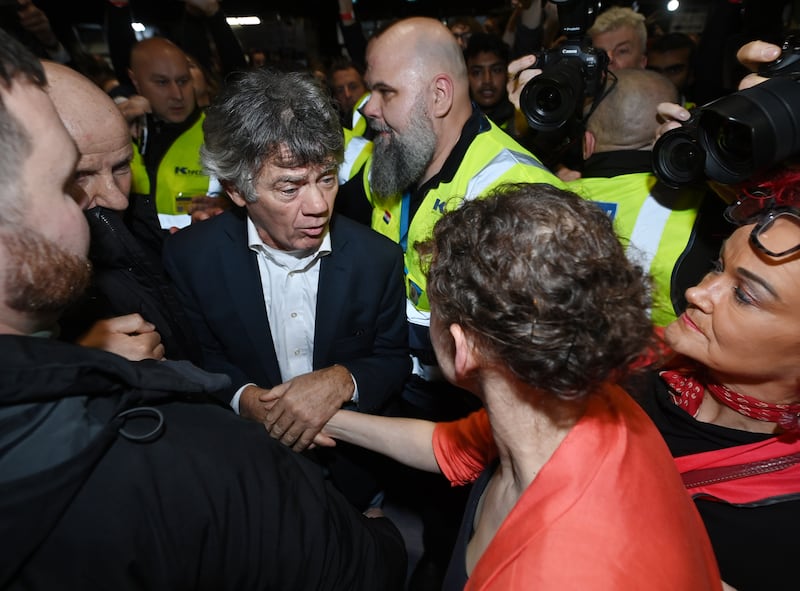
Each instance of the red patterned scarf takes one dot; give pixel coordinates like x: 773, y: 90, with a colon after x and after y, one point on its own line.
x: 688, y: 391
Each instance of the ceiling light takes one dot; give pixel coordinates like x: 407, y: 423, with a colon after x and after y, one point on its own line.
x: 241, y: 21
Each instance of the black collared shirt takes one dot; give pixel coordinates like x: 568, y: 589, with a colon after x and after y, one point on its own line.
x: 611, y: 164
x: 161, y: 135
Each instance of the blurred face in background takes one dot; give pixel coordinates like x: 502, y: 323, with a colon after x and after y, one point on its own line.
x: 673, y: 64
x: 160, y: 73
x: 462, y: 33
x: 347, y: 86
x: 487, y: 79
x: 623, y: 46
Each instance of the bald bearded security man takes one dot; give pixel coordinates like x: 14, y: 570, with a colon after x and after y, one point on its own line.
x: 166, y: 165
x: 432, y: 149
x: 130, y: 308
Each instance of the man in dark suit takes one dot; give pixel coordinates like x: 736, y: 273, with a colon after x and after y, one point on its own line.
x: 303, y: 310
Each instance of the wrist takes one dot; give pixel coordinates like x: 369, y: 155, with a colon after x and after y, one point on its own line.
x: 347, y: 17
x: 347, y: 382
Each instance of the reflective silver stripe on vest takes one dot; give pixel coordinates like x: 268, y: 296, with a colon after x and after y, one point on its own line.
x: 357, y: 115
x: 647, y: 232
x: 496, y: 168
x: 354, y: 148
x: 415, y: 316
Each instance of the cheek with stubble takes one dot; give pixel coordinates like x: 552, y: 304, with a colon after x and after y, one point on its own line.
x: 43, y: 278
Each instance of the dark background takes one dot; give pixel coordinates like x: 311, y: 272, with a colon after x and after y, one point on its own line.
x: 91, y: 11
x: 301, y: 23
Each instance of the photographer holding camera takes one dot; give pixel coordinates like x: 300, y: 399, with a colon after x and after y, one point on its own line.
x: 735, y: 137
x: 752, y: 55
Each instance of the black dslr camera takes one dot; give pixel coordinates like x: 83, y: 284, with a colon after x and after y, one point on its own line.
x: 571, y: 72
x: 731, y: 138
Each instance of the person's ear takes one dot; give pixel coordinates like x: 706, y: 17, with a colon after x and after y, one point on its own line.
x: 443, y: 92
x: 466, y: 358
x: 589, y: 144
x: 134, y: 81
x: 234, y: 193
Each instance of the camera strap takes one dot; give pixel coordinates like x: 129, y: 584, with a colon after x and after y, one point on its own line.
x: 605, y: 90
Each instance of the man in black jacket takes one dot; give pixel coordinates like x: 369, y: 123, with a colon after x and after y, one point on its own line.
x: 303, y: 309
x: 120, y: 475
x: 130, y: 308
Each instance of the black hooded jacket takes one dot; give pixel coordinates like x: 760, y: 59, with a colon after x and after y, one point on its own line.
x: 120, y: 475
x: 128, y: 278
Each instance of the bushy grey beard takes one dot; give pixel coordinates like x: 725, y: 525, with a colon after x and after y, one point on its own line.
x: 400, y: 159
x: 41, y: 278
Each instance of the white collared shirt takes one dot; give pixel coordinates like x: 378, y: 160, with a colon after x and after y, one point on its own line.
x: 289, y: 281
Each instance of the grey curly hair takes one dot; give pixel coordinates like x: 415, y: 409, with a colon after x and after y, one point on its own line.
x: 265, y: 115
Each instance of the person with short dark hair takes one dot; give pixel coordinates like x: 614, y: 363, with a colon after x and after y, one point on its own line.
x: 537, y: 311
x: 487, y: 60
x: 673, y: 56
x: 463, y: 27
x: 346, y: 82
x: 123, y: 475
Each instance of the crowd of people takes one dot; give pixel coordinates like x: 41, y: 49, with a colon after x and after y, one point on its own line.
x: 244, y: 305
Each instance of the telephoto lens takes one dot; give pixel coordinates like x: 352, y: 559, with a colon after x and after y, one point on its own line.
x: 731, y: 138
x: 751, y: 130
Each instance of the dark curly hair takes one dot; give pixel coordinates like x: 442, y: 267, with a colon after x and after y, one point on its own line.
x: 538, y: 276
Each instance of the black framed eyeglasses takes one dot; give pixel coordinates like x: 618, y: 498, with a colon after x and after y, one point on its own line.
x: 777, y: 228
x: 777, y: 233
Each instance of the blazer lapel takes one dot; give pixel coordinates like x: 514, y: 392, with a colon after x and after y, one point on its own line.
x: 334, y: 276
x: 243, y: 281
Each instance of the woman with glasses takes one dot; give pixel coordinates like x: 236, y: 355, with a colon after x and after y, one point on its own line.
x: 729, y: 405
x: 536, y: 310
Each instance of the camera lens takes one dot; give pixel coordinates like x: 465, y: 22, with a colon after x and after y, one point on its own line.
x: 729, y: 142
x: 547, y: 104
x: 552, y: 98
x: 548, y: 100
x: 684, y: 156
x: 678, y: 159
x: 751, y: 129
x: 733, y: 140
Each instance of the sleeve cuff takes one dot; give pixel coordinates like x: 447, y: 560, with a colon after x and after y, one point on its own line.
x: 235, y: 400
x: 354, y: 397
